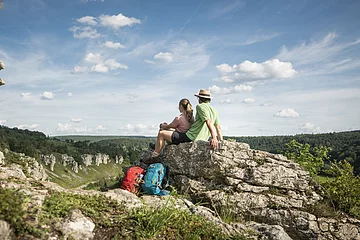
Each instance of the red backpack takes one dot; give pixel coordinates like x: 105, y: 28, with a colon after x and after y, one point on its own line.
x: 132, y: 179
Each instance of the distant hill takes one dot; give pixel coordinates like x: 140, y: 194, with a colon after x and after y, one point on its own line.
x: 344, y: 145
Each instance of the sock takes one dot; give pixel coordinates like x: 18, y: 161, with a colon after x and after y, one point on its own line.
x: 154, y: 154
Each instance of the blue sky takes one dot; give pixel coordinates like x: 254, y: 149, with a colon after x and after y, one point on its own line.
x: 120, y: 67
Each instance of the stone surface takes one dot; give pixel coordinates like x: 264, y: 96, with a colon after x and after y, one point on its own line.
x: 268, y: 188
x: 5, y: 230
x: 77, y: 226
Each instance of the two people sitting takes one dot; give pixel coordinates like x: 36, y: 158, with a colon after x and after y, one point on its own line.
x: 185, y: 129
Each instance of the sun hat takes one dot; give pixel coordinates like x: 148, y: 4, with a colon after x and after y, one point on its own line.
x: 203, y: 93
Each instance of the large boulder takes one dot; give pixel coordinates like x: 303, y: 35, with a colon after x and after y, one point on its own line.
x: 260, y: 186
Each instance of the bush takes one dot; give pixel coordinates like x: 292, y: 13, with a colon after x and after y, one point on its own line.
x: 344, y: 188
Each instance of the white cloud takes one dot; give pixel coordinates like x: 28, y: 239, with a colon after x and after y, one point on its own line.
x: 84, y: 32
x: 100, y: 128
x: 70, y: 94
x: 69, y: 129
x: 259, y: 38
x: 226, y: 101
x: 288, y: 113
x: 267, y: 104
x: 164, y: 56
x: 87, y: 20
x: 222, y: 91
x: 93, y: 58
x: 108, y: 65
x: 140, y: 128
x: 117, y: 21
x: 25, y: 94
x: 2, y: 122
x: 220, y: 9
x: 101, y: 68
x: 271, y: 69
x: 28, y: 126
x: 149, y: 61
x: 76, y: 120
x: 309, y: 127
x: 110, y: 44
x: 112, y: 64
x: 79, y: 69
x: 315, y: 51
x: 248, y: 100
x: 47, y: 95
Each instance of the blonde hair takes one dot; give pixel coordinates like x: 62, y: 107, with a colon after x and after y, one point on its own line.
x: 185, y: 103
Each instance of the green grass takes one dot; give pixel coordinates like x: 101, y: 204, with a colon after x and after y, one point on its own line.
x: 67, y: 178
x: 112, y: 220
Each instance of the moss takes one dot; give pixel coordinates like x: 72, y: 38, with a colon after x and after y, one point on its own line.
x: 12, y: 210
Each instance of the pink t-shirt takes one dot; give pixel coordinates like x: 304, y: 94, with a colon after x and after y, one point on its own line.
x: 181, y: 123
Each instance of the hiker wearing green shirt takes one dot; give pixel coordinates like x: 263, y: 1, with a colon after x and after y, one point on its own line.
x: 206, y: 125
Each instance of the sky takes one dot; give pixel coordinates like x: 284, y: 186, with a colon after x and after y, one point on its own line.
x: 120, y: 67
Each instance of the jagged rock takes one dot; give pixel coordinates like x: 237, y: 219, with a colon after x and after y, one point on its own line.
x: 49, y: 160
x: 5, y: 230
x: 124, y: 197
x: 119, y: 160
x: 87, y: 159
x: 2, y: 158
x: 14, y: 170
x: 34, y: 169
x: 77, y: 226
x: 101, y: 158
x: 269, y: 188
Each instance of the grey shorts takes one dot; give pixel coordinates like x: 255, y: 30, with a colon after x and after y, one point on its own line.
x: 178, y: 137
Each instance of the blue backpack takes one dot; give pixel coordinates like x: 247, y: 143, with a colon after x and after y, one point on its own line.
x: 153, y: 180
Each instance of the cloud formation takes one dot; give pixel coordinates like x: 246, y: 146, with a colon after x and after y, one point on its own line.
x: 271, y: 69
x: 287, y: 113
x: 84, y: 32
x: 87, y: 20
x: 309, y: 127
x: 223, y: 91
x: 47, y: 95
x: 117, y: 21
x: 248, y: 100
x: 164, y: 56
x: 76, y: 120
x: 113, y: 45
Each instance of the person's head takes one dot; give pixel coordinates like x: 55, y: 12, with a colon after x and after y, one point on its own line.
x: 203, y: 96
x: 186, y: 107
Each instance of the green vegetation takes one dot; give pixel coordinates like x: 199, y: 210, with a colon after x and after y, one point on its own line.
x: 344, y: 145
x: 341, y: 187
x: 35, y: 144
x: 13, y: 210
x: 141, y: 223
x: 300, y: 153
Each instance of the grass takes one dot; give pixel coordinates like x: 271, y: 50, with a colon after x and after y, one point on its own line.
x: 112, y: 220
x: 67, y: 178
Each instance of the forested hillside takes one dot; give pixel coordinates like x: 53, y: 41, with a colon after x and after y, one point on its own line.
x: 34, y: 144
x: 344, y: 145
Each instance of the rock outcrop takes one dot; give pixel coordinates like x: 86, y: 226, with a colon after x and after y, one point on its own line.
x: 263, y: 187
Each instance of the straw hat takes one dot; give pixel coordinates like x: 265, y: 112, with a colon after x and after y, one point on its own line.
x: 203, y: 93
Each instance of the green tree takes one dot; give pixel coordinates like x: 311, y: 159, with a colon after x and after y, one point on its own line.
x: 312, y: 159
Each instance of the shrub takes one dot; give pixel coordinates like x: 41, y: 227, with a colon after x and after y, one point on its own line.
x: 344, y: 188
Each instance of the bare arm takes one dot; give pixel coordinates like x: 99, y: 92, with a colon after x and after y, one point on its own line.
x: 173, y: 124
x: 218, y: 132
x: 213, y: 142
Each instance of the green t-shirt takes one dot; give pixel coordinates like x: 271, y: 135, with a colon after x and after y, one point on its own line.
x: 199, y: 129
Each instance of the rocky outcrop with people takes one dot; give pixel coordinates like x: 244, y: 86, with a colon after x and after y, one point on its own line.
x: 243, y: 191
x: 260, y: 187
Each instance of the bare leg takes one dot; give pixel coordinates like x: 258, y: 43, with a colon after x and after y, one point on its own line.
x: 163, y: 136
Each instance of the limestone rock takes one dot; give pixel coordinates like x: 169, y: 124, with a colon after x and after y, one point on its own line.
x: 5, y: 230
x: 2, y: 158
x: 268, y: 188
x: 77, y: 226
x: 14, y: 170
